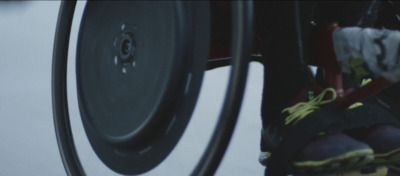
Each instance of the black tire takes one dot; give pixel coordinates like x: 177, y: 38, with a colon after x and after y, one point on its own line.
x: 120, y: 148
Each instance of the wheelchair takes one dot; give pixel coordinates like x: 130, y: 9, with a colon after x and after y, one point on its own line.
x: 139, y: 76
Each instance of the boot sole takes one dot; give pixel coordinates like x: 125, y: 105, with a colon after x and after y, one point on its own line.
x: 392, y: 156
x: 380, y: 171
x: 345, y: 161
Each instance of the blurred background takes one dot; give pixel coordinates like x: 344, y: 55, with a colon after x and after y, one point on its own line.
x: 27, y: 139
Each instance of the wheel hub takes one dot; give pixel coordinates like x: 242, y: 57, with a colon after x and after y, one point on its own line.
x: 125, y: 45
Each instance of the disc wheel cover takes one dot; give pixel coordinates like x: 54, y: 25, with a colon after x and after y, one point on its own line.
x: 138, y: 77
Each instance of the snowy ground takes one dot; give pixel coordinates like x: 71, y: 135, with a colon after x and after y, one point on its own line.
x: 27, y: 139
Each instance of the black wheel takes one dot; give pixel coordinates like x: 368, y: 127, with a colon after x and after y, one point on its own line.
x: 138, y: 78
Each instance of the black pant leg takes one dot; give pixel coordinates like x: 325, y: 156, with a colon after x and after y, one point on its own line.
x: 284, y: 70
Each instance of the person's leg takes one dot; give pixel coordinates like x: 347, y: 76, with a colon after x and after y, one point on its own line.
x: 363, y: 14
x: 383, y: 139
x: 278, y: 25
x: 285, y: 73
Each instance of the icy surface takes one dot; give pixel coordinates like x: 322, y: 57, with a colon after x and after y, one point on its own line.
x: 27, y: 140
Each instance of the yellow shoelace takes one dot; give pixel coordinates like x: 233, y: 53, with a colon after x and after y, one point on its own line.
x: 302, y: 109
x: 357, y: 104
